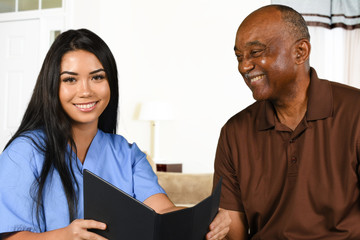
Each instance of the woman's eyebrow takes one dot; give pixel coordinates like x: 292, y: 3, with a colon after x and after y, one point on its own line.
x: 68, y: 72
x: 99, y: 70
x: 74, y: 73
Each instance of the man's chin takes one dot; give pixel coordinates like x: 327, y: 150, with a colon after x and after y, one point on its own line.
x: 259, y: 97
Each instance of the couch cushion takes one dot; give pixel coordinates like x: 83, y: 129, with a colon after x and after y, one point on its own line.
x: 185, y: 188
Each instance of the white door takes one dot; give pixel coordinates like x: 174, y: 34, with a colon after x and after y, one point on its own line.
x: 19, y: 67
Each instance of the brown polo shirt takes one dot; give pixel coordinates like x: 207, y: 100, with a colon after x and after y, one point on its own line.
x: 301, y: 184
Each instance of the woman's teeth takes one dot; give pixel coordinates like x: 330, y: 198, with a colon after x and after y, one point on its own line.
x: 85, y: 106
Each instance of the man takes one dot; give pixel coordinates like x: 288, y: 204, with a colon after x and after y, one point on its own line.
x: 290, y: 161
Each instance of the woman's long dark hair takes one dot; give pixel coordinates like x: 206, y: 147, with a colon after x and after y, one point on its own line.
x: 45, y: 112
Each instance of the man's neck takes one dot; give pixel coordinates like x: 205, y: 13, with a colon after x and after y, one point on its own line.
x: 291, y: 114
x: 291, y: 109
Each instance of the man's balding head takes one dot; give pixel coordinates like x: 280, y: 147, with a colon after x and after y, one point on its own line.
x: 294, y: 23
x: 272, y: 48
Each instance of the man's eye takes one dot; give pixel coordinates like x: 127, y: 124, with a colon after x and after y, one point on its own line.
x: 256, y: 53
x: 239, y: 57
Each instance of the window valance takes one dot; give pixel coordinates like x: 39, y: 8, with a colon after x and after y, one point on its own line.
x: 327, y: 13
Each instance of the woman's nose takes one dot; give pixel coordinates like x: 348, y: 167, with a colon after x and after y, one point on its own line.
x: 85, y: 88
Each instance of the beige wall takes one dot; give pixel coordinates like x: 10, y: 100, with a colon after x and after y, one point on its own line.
x: 176, y: 51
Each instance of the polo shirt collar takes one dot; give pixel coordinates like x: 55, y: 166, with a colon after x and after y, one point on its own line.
x: 320, y: 103
x: 266, y: 116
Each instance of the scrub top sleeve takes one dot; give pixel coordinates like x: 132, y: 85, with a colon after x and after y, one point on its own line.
x: 16, y: 178
x: 145, y: 180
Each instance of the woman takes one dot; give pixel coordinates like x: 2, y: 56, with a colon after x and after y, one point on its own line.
x: 69, y: 125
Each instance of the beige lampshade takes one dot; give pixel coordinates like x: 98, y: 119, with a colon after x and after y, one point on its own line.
x: 156, y: 111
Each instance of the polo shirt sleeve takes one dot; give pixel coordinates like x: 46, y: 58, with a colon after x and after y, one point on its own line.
x: 145, y: 180
x: 16, y: 178
x: 358, y: 156
x: 224, y: 167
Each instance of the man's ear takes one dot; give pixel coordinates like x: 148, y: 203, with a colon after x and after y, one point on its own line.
x: 302, y: 51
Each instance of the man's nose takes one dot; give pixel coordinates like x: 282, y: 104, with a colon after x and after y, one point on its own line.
x: 245, y: 66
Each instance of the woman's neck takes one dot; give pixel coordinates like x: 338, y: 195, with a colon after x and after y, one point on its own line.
x: 83, y: 136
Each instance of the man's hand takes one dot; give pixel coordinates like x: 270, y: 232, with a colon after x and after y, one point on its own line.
x: 238, y: 226
x: 220, y: 226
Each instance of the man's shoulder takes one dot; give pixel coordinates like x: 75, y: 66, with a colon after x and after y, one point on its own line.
x: 346, y: 102
x: 248, y: 114
x: 344, y: 91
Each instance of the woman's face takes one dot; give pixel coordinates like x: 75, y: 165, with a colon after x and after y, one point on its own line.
x: 84, y: 90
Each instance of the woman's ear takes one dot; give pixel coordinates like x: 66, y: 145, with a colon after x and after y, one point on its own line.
x: 302, y: 51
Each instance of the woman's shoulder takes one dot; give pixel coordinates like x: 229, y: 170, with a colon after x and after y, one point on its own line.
x: 24, y: 152
x: 117, y: 141
x: 28, y: 140
x: 27, y: 145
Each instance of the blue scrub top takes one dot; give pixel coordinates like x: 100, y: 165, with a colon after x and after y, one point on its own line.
x: 109, y: 156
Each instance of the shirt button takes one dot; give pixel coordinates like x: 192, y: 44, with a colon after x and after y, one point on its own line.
x: 291, y: 140
x: 293, y: 160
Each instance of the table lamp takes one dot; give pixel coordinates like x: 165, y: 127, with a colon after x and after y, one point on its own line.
x: 156, y: 112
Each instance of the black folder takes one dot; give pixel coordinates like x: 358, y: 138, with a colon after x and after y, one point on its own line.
x: 130, y: 219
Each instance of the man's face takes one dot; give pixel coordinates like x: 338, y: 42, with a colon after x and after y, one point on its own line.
x: 265, y: 55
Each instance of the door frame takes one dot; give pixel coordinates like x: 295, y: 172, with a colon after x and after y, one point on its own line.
x: 57, y: 19
x: 50, y: 20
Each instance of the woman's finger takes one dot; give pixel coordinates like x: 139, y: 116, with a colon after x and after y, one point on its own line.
x: 79, y: 229
x: 92, y: 236
x: 92, y: 224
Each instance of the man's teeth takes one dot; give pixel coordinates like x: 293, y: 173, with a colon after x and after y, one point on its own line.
x: 256, y: 78
x: 85, y: 106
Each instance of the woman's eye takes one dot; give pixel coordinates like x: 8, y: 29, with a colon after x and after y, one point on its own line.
x: 69, y: 80
x: 98, y: 77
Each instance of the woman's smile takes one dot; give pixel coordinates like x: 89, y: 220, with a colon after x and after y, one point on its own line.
x: 86, y: 107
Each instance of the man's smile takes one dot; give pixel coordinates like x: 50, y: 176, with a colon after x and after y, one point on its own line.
x: 255, y: 79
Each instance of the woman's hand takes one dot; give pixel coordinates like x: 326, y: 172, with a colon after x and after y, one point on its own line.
x: 220, y: 226
x: 78, y: 229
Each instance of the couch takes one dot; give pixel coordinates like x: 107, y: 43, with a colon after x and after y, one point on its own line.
x: 185, y: 189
